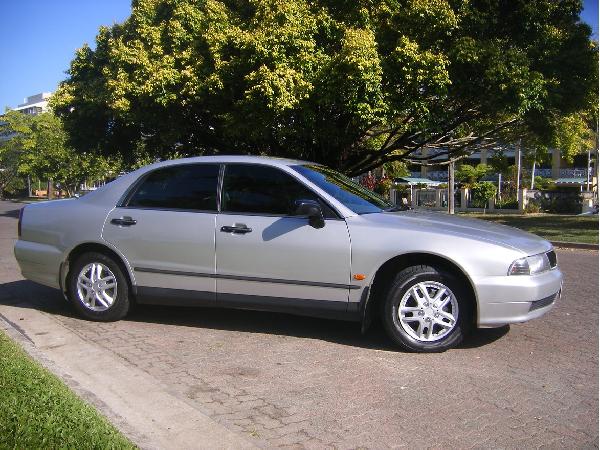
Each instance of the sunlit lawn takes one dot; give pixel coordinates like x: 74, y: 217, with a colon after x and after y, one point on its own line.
x: 554, y: 227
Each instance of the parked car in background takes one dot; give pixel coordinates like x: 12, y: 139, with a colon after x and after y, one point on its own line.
x: 289, y: 236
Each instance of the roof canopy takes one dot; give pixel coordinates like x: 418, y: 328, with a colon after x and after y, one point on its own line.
x: 576, y: 180
x: 412, y: 181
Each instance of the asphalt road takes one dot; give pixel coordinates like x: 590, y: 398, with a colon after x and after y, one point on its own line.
x: 310, y: 383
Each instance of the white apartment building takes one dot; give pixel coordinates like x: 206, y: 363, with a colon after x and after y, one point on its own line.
x: 34, y: 104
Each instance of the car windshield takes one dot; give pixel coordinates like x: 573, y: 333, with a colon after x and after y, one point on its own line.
x: 352, y: 195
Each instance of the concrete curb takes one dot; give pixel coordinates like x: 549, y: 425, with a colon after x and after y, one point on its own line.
x: 579, y: 245
x: 18, y: 335
x: 137, y: 404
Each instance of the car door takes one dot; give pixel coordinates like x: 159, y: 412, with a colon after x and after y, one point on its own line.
x: 166, y: 230
x: 267, y: 258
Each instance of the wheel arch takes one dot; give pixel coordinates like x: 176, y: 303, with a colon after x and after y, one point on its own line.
x: 99, y: 247
x: 384, y: 275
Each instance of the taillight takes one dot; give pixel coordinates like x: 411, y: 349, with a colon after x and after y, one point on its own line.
x: 20, y: 220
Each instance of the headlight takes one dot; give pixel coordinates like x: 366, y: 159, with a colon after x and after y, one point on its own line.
x: 530, y: 265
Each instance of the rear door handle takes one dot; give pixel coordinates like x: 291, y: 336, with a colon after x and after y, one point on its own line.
x: 124, y: 221
x: 236, y: 229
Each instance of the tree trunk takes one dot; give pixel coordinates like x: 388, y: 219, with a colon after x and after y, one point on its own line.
x: 50, y: 192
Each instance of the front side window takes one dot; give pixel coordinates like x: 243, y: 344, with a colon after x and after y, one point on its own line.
x: 256, y: 189
x: 185, y: 187
x: 352, y: 195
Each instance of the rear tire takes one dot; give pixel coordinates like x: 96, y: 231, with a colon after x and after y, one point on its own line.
x: 97, y: 288
x: 427, y: 310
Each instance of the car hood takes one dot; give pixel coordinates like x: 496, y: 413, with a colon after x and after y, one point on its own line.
x: 480, y: 230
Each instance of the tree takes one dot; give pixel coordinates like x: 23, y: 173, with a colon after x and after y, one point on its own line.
x: 41, y: 151
x: 9, y: 166
x: 482, y: 192
x: 469, y: 175
x: 351, y: 84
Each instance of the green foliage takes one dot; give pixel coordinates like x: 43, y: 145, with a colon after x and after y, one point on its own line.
x: 542, y: 183
x: 508, y: 203
x: 572, y: 136
x: 561, y: 203
x: 396, y: 169
x: 481, y: 192
x: 41, y: 149
x: 38, y: 411
x: 350, y: 84
x: 499, y: 163
x: 533, y: 208
x: 9, y: 166
x: 469, y: 175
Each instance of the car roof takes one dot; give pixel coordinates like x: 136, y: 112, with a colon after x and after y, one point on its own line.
x: 113, y: 191
x: 249, y: 159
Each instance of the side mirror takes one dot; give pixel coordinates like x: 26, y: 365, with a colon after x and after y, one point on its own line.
x: 312, y: 210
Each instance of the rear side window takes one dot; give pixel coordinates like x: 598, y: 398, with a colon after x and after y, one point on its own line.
x: 256, y: 189
x: 188, y: 187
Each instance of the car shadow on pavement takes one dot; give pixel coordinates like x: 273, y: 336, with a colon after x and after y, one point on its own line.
x: 26, y: 294
x: 10, y: 213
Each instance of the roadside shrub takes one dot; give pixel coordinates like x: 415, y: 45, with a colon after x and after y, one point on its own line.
x: 383, y: 186
x: 481, y: 192
x: 561, y: 202
x: 542, y: 183
x: 533, y: 207
x: 368, y: 181
x: 508, y: 203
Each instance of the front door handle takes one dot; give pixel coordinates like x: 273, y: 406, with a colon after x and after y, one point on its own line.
x: 124, y: 221
x: 236, y: 229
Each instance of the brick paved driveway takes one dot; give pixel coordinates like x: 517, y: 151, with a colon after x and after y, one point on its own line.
x: 302, y: 382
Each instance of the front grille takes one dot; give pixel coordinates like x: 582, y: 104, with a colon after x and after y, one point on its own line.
x: 543, y: 302
x: 552, y: 258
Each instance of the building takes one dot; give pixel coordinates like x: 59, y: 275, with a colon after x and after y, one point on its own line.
x: 35, y: 104
x: 571, y: 175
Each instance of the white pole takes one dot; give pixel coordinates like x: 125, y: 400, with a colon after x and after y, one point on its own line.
x: 451, y: 188
x: 587, y: 172
x: 533, y: 175
x: 518, y: 167
x: 499, y: 187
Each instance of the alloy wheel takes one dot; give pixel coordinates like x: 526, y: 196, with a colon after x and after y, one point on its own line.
x: 96, y: 287
x: 428, y: 311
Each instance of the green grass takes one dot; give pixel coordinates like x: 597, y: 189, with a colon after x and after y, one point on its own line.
x: 554, y: 227
x: 38, y: 411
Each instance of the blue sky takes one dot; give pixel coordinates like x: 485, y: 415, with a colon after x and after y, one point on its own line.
x: 39, y: 37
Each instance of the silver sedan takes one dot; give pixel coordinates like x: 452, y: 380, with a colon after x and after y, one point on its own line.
x: 288, y: 236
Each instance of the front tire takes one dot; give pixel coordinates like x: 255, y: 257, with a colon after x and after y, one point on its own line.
x: 427, y: 310
x: 98, y: 289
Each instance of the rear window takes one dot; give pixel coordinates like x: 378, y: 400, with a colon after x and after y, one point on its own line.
x: 183, y: 187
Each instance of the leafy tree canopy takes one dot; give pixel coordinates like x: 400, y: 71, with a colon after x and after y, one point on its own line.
x: 470, y: 175
x: 9, y: 165
x: 353, y: 84
x: 38, y: 147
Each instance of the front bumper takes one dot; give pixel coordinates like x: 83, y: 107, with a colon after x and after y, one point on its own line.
x: 518, y: 298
